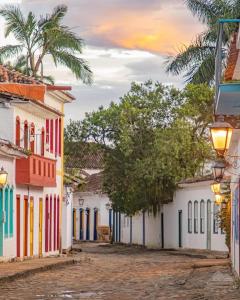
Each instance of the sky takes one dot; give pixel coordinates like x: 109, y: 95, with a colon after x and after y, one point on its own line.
x: 126, y: 41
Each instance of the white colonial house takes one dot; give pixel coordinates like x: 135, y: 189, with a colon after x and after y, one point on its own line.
x: 91, y: 210
x: 32, y: 118
x: 189, y: 221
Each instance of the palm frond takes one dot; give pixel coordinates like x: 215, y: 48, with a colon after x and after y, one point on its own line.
x: 77, y: 65
x: 203, y: 71
x: 189, y: 56
x: 62, y: 38
x: 57, y: 15
x: 15, y: 22
x: 9, y: 51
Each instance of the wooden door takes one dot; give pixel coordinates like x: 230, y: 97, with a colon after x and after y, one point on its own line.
x: 58, y: 223
x: 50, y: 225
x: 40, y: 231
x: 180, y: 229
x: 31, y: 225
x: 209, y: 224
x: 25, y: 243
x: 87, y: 224
x: 74, y: 223
x: 81, y: 222
x: 55, y: 224
x: 162, y: 230
x: 1, y: 222
x: 46, y: 223
x: 95, y: 225
x: 18, y: 224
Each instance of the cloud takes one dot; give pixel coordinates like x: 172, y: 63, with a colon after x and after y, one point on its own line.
x: 152, y: 25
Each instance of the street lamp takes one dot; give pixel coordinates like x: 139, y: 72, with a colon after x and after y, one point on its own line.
x: 81, y: 202
x: 218, y: 199
x: 216, y: 188
x: 108, y: 206
x: 221, y: 133
x: 3, y: 177
x: 218, y: 170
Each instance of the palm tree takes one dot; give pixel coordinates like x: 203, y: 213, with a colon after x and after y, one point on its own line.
x: 197, y: 60
x: 40, y: 38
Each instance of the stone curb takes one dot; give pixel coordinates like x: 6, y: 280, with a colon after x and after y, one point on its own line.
x: 207, y: 264
x: 28, y: 272
x: 196, y: 255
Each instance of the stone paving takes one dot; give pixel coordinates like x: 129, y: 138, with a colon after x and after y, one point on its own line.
x: 117, y: 273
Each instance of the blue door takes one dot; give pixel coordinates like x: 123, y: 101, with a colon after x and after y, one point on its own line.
x: 95, y: 224
x: 81, y: 224
x: 1, y: 222
x: 88, y: 224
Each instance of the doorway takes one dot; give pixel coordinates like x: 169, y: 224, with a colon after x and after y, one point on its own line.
x: 95, y: 237
x: 180, y: 228
x: 46, y: 223
x: 40, y: 226
x: 25, y: 243
x: 81, y: 221
x: 1, y: 223
x: 87, y: 224
x: 31, y: 225
x: 209, y: 224
x: 74, y: 224
x: 162, y: 230
x: 18, y: 224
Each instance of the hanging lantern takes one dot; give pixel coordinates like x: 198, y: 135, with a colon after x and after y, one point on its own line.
x: 3, y: 177
x: 221, y: 133
x: 216, y: 188
x: 218, y: 199
x: 218, y: 169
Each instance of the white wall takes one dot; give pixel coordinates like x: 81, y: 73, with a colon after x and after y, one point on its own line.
x: 91, y: 201
x: 191, y: 192
x: 152, y: 229
x: 153, y: 238
x: 67, y: 218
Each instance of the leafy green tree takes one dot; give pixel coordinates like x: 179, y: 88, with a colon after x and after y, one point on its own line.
x: 197, y: 61
x: 153, y: 138
x: 40, y: 38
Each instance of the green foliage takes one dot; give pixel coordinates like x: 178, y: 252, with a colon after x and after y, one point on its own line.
x: 153, y: 138
x: 197, y: 60
x: 39, y: 38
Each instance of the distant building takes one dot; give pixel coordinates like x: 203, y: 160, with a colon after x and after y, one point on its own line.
x: 92, y: 213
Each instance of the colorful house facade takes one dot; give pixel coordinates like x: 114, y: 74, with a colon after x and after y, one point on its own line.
x: 32, y: 117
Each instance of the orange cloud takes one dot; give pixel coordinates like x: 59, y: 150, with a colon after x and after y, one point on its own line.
x: 161, y: 31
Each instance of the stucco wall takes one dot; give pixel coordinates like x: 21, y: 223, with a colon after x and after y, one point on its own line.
x: 91, y: 201
x: 193, y: 192
x: 67, y: 219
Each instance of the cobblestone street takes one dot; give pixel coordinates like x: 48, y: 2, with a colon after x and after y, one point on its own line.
x: 118, y: 272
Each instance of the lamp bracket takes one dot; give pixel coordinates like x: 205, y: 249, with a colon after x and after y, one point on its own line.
x: 234, y: 121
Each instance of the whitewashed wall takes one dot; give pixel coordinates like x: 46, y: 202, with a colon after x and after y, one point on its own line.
x: 191, y: 192
x: 91, y: 201
x: 67, y: 206
x: 152, y: 230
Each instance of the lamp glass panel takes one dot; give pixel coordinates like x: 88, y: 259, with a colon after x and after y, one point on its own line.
x: 3, y: 178
x: 218, y: 199
x: 216, y: 188
x: 219, y: 138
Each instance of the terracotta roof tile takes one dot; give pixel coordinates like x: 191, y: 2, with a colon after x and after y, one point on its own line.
x: 232, y: 58
x: 11, y: 75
